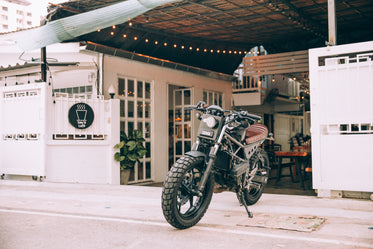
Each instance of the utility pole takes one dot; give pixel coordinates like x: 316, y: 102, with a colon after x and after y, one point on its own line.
x: 332, y: 24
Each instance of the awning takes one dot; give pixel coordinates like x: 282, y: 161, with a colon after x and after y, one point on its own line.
x: 80, y: 24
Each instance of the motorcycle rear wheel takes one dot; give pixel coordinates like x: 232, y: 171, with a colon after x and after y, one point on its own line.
x: 252, y: 193
x: 181, y: 205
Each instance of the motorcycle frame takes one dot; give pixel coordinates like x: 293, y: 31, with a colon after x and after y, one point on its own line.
x: 249, y: 151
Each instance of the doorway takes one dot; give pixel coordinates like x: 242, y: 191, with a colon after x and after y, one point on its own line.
x: 179, y: 122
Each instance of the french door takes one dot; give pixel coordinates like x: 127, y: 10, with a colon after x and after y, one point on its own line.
x: 181, y: 124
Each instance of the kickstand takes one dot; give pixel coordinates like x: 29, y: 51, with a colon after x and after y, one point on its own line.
x: 245, y: 205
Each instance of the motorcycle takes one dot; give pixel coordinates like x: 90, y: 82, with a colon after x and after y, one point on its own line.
x: 226, y: 157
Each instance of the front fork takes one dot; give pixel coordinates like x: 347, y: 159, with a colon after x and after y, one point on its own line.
x: 212, y: 156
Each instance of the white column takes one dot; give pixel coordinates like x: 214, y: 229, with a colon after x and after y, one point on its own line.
x: 113, y: 169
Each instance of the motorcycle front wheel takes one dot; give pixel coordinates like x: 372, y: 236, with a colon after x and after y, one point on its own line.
x: 181, y: 205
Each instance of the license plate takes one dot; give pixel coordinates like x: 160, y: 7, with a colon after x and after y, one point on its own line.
x: 207, y: 133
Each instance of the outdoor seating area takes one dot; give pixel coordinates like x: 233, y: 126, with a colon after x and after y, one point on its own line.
x: 291, y: 170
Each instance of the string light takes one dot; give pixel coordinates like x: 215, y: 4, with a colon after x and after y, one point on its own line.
x: 99, y: 30
x: 113, y: 26
x: 218, y: 51
x: 111, y: 33
x: 130, y: 24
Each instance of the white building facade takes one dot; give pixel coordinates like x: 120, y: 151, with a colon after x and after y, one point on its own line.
x: 152, y: 96
x: 16, y: 15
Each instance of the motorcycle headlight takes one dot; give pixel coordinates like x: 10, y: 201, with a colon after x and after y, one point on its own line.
x: 211, y: 122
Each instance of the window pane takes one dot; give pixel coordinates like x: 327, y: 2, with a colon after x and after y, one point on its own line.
x: 121, y: 88
x: 187, y: 97
x: 187, y: 146
x: 148, y: 170
x: 147, y: 90
x: 186, y: 115
x: 131, y: 88
x: 130, y: 109
x: 122, y: 126
x: 122, y: 108
x: 215, y: 99
x: 140, y: 89
x: 178, y: 131
x: 140, y: 171
x: 147, y: 110
x: 178, y: 98
x: 205, y: 96
x: 139, y: 127
x: 147, y: 130
x: 148, y: 149
x: 139, y: 109
x: 179, y: 149
x: 186, y: 131
x: 178, y: 115
x: 210, y: 99
x: 220, y: 100
x: 130, y: 127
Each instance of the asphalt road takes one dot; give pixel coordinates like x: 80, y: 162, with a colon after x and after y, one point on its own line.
x: 47, y: 216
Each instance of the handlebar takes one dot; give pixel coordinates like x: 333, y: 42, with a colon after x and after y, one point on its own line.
x: 242, y: 115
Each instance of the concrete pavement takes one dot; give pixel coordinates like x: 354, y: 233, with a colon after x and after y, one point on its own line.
x: 346, y: 222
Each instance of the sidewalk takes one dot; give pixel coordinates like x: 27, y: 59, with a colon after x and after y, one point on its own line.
x: 345, y: 220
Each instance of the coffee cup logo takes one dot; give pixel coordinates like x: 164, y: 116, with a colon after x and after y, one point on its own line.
x: 81, y: 116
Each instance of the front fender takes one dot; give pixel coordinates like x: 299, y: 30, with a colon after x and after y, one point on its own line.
x: 195, y: 153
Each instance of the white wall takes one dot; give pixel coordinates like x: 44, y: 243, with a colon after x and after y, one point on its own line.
x: 114, y: 66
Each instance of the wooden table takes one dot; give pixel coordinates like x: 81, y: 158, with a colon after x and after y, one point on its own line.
x: 300, y: 159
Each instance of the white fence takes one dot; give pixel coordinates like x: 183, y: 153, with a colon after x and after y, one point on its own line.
x: 38, y: 137
x: 341, y: 84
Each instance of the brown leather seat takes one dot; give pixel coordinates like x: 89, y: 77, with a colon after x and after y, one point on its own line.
x: 256, y: 132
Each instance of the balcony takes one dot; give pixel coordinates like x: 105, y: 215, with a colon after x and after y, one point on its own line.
x: 270, y: 78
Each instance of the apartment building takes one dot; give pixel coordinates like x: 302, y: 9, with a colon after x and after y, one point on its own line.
x: 16, y: 15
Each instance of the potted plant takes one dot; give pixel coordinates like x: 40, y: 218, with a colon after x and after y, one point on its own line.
x: 131, y: 150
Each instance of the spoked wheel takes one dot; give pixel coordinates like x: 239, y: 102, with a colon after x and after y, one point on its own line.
x: 181, y: 205
x: 252, y: 192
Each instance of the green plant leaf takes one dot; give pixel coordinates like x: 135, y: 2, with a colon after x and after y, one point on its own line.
x: 137, y: 134
x: 141, y: 153
x: 133, y: 157
x: 119, y: 146
x: 118, y: 157
x: 131, y: 145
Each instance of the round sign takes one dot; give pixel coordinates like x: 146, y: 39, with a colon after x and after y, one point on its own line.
x: 81, y: 116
